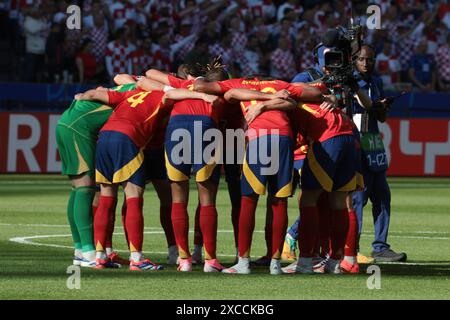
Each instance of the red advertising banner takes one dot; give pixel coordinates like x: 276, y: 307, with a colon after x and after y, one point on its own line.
x: 415, y: 147
x: 28, y: 143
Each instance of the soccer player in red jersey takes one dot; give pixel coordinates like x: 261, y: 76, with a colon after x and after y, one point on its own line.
x: 155, y: 169
x: 195, y: 118
x: 120, y: 161
x: 185, y: 74
x: 273, y: 124
x: 330, y: 166
x: 254, y: 181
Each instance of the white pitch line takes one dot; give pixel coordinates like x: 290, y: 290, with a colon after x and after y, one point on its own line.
x: 365, y: 234
x: 27, y: 240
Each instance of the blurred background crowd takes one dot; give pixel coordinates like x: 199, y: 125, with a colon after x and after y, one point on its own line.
x: 254, y: 37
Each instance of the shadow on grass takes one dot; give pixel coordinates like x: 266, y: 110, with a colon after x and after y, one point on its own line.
x: 36, y: 268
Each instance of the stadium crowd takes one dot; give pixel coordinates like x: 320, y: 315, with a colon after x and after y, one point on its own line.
x: 261, y: 37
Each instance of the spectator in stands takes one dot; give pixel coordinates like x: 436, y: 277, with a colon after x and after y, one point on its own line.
x: 174, y: 27
x: 443, y: 65
x: 282, y: 61
x: 86, y: 63
x: 98, y: 35
x: 387, y: 66
x: 93, y: 12
x: 142, y: 58
x: 55, y: 54
x: 199, y: 54
x: 251, y: 58
x: 422, y: 70
x: 36, y: 28
x: 409, y: 36
x: 162, y: 58
x: 238, y: 36
x: 290, y: 4
x: 222, y: 47
x: 118, y: 54
x: 185, y: 31
x: 60, y: 15
x: 117, y: 11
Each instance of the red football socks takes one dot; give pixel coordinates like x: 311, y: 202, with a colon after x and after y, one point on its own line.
x: 110, y: 230
x: 180, y: 223
x: 339, y: 229
x: 352, y: 234
x: 106, y: 208
x: 308, y: 231
x: 94, y: 210
x: 279, y: 225
x: 324, y: 224
x: 134, y: 222
x: 246, y: 225
x: 208, y: 226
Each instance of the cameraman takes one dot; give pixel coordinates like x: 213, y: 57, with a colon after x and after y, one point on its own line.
x: 374, y: 160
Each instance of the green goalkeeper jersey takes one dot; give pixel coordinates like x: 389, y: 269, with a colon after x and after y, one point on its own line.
x: 88, y: 117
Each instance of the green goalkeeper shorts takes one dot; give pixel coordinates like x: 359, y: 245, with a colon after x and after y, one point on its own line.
x: 76, y: 151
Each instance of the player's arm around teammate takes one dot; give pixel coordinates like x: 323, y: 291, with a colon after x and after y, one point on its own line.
x: 122, y: 140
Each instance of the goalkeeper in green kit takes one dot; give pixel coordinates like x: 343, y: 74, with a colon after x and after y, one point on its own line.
x: 76, y: 136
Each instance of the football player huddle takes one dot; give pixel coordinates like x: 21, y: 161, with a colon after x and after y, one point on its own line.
x: 267, y: 135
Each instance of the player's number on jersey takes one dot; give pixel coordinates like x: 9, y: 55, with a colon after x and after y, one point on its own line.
x: 137, y: 99
x: 254, y: 102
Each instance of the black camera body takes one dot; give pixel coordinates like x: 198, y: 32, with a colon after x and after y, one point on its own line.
x: 346, y: 44
x: 341, y: 49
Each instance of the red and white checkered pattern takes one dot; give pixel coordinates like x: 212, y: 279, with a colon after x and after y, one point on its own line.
x: 405, y: 49
x: 239, y: 41
x: 443, y: 62
x: 120, y: 57
x: 227, y: 54
x: 141, y: 61
x: 99, y: 39
x: 161, y: 60
x: 389, y: 64
x: 249, y: 63
x: 306, y: 60
x: 282, y: 64
x: 391, y: 28
x: 182, y: 53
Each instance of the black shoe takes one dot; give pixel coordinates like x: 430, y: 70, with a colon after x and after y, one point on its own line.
x: 389, y: 255
x: 264, y: 261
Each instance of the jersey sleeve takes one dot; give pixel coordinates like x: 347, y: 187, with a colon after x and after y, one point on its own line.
x: 229, y: 84
x: 295, y: 91
x: 115, y: 97
x: 175, y: 82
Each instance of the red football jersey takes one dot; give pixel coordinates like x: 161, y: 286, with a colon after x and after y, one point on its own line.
x: 180, y: 83
x: 138, y: 114
x: 191, y: 106
x: 268, y: 121
x: 321, y: 125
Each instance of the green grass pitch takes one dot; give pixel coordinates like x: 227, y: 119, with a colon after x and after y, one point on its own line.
x: 34, y: 206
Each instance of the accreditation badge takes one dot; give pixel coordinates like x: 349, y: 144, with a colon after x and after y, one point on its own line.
x: 372, y: 148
